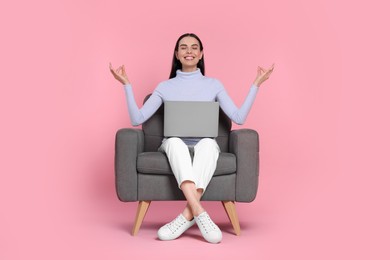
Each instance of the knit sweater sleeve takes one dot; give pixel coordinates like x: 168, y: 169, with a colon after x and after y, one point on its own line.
x: 140, y: 115
x: 237, y: 115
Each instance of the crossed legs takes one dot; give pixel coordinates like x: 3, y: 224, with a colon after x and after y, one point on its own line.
x: 193, y: 195
x: 193, y: 178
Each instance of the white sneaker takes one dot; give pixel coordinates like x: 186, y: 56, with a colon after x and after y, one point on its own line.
x: 175, y: 228
x: 209, y: 230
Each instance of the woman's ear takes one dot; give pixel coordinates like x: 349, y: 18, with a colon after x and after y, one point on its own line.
x: 201, y: 55
x: 176, y: 55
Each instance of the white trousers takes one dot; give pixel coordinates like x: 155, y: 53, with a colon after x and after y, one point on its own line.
x: 201, y: 169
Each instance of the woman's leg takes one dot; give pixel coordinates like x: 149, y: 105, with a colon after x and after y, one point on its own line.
x: 193, y: 208
x: 179, y: 159
x: 206, y: 153
x: 187, y: 213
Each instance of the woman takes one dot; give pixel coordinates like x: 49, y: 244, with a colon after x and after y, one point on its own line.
x: 188, y: 83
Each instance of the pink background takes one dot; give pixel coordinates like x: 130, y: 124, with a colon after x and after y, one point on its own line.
x: 323, y: 118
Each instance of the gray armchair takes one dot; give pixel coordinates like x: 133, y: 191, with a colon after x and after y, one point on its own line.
x: 143, y: 174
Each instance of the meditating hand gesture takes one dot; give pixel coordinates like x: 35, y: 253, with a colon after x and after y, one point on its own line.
x: 262, y: 75
x: 120, y: 74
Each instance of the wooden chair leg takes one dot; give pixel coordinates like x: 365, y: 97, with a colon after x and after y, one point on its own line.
x: 230, y: 209
x: 141, y: 212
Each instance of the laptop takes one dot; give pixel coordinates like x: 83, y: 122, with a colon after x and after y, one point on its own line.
x: 191, y: 118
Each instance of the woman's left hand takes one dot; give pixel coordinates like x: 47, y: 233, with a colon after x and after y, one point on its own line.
x: 262, y: 75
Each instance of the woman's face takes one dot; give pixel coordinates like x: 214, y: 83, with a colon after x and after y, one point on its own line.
x: 189, y: 53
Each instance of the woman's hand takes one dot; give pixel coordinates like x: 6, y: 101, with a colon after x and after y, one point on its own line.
x: 120, y: 74
x: 262, y: 75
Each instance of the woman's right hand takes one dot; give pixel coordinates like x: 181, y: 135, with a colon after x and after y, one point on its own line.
x: 120, y: 74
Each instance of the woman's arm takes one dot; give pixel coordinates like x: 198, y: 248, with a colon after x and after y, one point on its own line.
x: 137, y: 115
x: 140, y: 115
x: 239, y: 115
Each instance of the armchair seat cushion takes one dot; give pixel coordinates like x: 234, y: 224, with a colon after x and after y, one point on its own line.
x: 157, y: 163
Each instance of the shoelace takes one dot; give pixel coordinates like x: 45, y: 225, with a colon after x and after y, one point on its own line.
x: 175, y: 224
x: 207, y: 223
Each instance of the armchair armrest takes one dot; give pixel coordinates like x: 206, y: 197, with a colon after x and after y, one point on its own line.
x: 244, y: 143
x: 128, y: 144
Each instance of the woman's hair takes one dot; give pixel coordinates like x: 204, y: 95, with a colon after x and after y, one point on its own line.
x: 176, y: 64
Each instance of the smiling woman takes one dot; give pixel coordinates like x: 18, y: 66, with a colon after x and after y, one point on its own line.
x: 188, y: 55
x: 188, y: 83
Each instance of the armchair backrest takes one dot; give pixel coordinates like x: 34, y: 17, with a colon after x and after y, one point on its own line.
x: 154, y: 130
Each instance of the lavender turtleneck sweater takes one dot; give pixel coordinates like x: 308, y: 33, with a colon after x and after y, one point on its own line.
x: 189, y: 86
